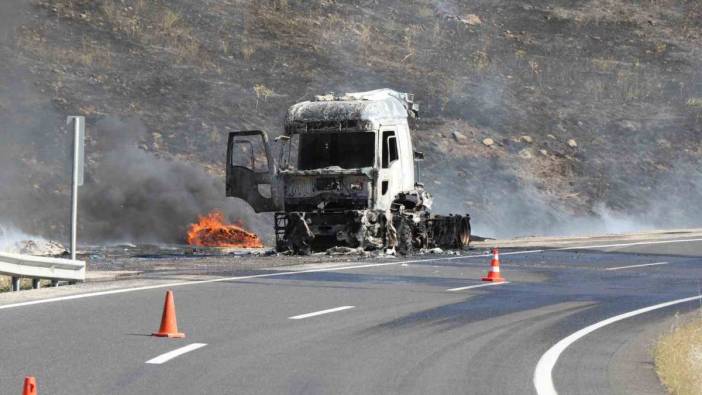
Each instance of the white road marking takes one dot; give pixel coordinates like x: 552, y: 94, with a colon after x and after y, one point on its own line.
x: 163, y: 358
x: 543, y: 374
x: 476, y: 286
x: 638, y: 243
x: 316, y: 313
x: 326, y: 269
x: 635, y: 266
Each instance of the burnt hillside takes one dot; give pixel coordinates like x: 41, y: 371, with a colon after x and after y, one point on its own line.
x: 533, y: 111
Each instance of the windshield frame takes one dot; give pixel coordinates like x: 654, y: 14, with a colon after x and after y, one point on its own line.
x: 292, y: 151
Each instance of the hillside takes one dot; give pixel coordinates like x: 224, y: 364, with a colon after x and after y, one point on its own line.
x: 533, y: 111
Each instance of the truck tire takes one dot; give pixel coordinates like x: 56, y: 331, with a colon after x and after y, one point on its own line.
x: 421, y: 238
x: 404, y: 237
x: 463, y: 233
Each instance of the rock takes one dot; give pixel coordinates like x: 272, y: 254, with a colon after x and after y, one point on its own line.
x: 488, y: 142
x: 436, y: 250
x: 38, y: 247
x: 471, y: 19
x: 526, y: 139
x: 664, y: 143
x: 552, y: 137
x: 572, y: 143
x: 459, y: 137
x: 526, y: 154
x: 543, y: 152
x: 630, y: 126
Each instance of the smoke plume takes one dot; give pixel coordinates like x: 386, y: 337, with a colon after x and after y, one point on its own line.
x: 134, y: 195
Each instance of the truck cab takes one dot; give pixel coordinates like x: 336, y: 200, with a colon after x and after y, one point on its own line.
x: 343, y: 174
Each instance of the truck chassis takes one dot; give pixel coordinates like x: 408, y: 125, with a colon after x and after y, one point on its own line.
x: 303, y: 232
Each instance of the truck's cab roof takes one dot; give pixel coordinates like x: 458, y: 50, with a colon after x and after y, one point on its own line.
x: 355, y: 109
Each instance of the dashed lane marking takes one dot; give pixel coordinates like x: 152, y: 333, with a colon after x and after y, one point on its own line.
x: 163, y: 358
x: 636, y: 266
x: 476, y: 286
x: 322, y: 312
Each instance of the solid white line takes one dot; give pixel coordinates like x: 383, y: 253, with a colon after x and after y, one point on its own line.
x: 543, y: 374
x: 327, y: 269
x: 163, y: 358
x: 316, y: 313
x: 634, y: 266
x: 476, y: 286
x: 626, y: 244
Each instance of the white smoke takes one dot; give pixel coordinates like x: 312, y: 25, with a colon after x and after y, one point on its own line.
x: 11, y: 238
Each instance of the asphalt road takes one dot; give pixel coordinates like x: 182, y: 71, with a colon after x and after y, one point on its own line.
x: 394, y: 328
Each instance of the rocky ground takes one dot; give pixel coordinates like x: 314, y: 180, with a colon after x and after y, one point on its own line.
x: 535, y: 113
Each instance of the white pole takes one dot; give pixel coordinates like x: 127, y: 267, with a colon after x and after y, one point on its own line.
x: 74, y: 195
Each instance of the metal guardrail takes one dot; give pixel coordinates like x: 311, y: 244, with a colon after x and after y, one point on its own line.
x: 27, y: 266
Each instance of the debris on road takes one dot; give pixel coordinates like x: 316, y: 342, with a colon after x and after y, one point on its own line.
x: 341, y: 250
x: 459, y: 137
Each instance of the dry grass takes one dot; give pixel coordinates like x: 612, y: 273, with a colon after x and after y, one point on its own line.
x: 678, y: 357
x: 262, y: 92
x: 26, y: 283
x: 695, y: 102
x: 89, y: 54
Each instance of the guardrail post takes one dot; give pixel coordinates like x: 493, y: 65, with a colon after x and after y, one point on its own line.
x: 15, y: 286
x: 36, y: 283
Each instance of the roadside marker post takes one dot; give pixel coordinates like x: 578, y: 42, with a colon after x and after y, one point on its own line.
x: 78, y: 160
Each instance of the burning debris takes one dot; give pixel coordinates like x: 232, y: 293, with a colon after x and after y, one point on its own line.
x: 211, y: 230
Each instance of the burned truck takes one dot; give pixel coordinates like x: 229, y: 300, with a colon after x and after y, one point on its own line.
x: 342, y: 174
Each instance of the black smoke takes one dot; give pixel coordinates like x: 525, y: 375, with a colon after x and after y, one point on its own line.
x: 134, y: 195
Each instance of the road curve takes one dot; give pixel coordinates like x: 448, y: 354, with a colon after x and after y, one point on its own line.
x: 408, y: 326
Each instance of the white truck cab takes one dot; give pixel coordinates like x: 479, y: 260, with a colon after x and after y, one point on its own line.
x: 345, y: 174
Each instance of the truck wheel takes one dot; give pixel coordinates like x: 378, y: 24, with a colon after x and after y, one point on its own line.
x: 281, y: 246
x: 421, y: 236
x: 304, y: 249
x: 404, y: 237
x: 463, y: 234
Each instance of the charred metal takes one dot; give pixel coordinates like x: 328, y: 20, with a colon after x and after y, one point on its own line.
x: 345, y: 175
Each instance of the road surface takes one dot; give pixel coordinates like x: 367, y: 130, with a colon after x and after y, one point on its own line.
x: 414, y: 325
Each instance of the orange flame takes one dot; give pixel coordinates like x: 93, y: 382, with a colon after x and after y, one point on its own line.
x: 212, y: 231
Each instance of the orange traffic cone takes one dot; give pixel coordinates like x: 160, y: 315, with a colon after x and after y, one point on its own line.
x: 30, y: 386
x: 169, y: 327
x: 494, y: 273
